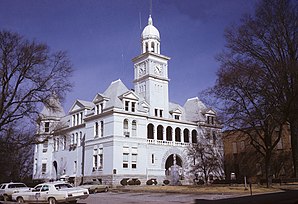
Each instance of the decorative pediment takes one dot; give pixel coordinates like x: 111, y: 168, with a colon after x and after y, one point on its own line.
x: 130, y: 95
x: 177, y: 111
x: 81, y: 105
x: 209, y: 111
x: 99, y: 98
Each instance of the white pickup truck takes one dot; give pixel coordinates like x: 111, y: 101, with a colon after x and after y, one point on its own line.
x: 51, y: 193
x: 7, y: 189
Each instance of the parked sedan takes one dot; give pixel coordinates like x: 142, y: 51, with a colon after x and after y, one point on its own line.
x: 7, y: 189
x: 51, y: 193
x: 95, y: 187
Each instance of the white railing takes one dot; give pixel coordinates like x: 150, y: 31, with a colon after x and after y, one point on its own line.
x: 167, y: 143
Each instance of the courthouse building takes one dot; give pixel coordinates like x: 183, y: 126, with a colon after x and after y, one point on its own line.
x: 126, y: 133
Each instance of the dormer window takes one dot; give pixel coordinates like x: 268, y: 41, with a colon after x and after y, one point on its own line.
x: 133, y: 106
x: 126, y: 105
x: 47, y: 126
x: 77, y: 119
x: 177, y: 117
x: 98, y: 108
x: 210, y: 120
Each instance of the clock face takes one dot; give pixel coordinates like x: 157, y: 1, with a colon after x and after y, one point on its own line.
x: 142, y: 69
x: 158, y: 69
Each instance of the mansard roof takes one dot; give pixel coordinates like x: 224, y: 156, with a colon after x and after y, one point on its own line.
x: 194, y: 110
x: 116, y: 89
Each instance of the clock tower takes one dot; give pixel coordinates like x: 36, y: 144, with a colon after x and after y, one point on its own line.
x: 151, y: 72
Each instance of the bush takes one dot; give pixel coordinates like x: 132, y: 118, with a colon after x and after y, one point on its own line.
x: 151, y: 182
x: 166, y: 182
x: 124, y: 181
x: 137, y: 182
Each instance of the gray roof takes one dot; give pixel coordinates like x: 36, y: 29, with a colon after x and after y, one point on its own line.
x: 57, y: 112
x: 116, y: 89
x: 194, y: 109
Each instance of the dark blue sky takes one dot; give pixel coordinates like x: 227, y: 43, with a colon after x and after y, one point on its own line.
x: 102, y: 36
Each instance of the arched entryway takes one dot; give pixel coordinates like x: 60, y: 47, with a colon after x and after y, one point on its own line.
x: 174, y: 170
x: 170, y: 161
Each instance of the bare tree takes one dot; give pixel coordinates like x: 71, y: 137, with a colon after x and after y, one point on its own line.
x: 257, y: 81
x: 206, y: 160
x: 16, y: 152
x: 29, y: 75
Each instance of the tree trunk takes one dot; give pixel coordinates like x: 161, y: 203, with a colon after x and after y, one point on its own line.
x: 294, y: 143
x: 268, y: 173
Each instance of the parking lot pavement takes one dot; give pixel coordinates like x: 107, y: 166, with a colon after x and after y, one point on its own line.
x: 146, y: 197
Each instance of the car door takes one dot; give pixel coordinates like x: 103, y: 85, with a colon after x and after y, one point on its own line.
x: 34, y: 195
x: 43, y: 196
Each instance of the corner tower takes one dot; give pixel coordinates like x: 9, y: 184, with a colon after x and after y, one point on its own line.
x: 151, y: 72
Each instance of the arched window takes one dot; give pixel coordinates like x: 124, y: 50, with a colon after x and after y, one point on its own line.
x: 150, y: 131
x: 152, y: 47
x: 186, y: 135
x: 147, y: 47
x: 169, y: 134
x: 194, y: 135
x: 125, y: 128
x: 134, y: 128
x: 178, y: 135
x: 160, y: 132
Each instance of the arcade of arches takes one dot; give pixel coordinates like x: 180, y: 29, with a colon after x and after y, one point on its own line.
x: 172, y: 134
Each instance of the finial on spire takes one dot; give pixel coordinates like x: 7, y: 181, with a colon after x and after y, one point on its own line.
x: 150, y: 22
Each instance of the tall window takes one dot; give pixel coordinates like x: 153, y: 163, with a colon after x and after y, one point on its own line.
x: 125, y: 160
x: 43, y: 168
x: 47, y: 126
x: 134, y: 128
x: 81, y: 117
x: 186, y: 135
x: 194, y: 136
x: 96, y: 129
x: 152, y: 158
x: 125, y: 157
x: 125, y: 128
x: 133, y: 106
x: 178, y: 135
x: 150, y: 131
x: 169, y: 134
x: 97, y: 158
x: 126, y: 105
x: 160, y: 132
x: 45, y: 147
x: 134, y: 161
x: 64, y: 142
x: 100, y: 158
x: 101, y: 128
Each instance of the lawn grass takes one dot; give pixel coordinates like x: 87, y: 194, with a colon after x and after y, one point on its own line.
x: 212, y: 189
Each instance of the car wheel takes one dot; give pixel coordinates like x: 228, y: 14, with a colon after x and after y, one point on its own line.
x: 5, y: 198
x: 20, y: 200
x: 52, y: 201
x: 106, y: 189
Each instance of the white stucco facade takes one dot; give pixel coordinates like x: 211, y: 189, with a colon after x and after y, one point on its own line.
x: 124, y: 133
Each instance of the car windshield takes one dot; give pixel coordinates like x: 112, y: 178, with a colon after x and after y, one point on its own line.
x: 62, y: 186
x: 17, y: 185
x: 3, y: 186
